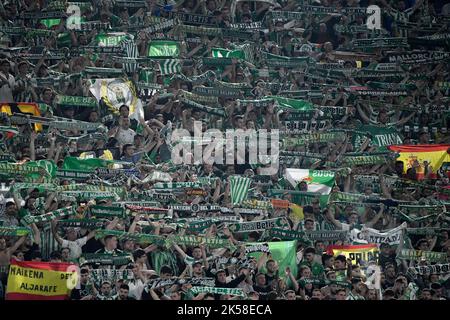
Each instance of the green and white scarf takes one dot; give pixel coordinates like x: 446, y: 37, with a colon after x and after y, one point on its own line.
x: 137, y: 237
x: 432, y: 269
x: 260, y: 225
x: 216, y: 290
x: 217, y: 92
x: 14, y: 231
x: 381, y: 43
x: 81, y: 223
x: 196, y: 241
x: 106, y: 212
x: 197, y: 106
x: 285, y: 234
x: 416, y: 255
x: 327, y: 235
x: 312, y: 138
x: 49, y: 216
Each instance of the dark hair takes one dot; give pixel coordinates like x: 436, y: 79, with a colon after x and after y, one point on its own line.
x: 339, y: 290
x: 272, y: 295
x: 308, y: 209
x: 35, y: 254
x: 310, y: 250
x: 435, y: 286
x: 125, y: 146
x: 254, y: 235
x: 326, y: 257
x: 55, y: 255
x: 165, y: 269
x: 124, y: 105
x: 340, y: 258
x: 420, y: 242
x: 389, y: 292
x: 124, y: 286
x: 109, y: 236
x: 138, y: 254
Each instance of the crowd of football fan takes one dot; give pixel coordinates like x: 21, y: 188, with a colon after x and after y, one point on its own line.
x: 127, y: 163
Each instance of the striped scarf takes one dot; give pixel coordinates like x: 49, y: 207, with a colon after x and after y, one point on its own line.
x: 131, y: 51
x: 48, y: 242
x: 169, y: 66
x: 49, y: 216
x: 239, y: 189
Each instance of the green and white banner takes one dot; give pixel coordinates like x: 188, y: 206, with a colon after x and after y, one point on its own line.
x: 392, y: 237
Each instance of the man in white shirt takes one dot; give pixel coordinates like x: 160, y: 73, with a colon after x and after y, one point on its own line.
x: 7, y: 82
x: 72, y: 242
x: 123, y: 133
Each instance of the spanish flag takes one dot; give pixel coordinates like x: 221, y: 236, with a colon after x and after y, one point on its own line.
x: 434, y: 154
x: 24, y: 108
x: 31, y: 280
x: 357, y: 253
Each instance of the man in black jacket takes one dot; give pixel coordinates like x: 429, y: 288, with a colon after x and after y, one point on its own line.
x: 221, y: 280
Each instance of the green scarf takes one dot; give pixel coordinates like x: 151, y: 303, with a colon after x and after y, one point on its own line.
x: 14, y: 231
x: 273, y: 60
x: 305, y: 139
x: 81, y: 223
x: 416, y: 255
x: 49, y: 216
x: 196, y: 241
x: 260, y: 225
x: 284, y: 234
x: 137, y: 237
x: 216, y: 290
x: 76, y: 101
x: 105, y: 259
x: 217, y: 92
x: 106, y: 212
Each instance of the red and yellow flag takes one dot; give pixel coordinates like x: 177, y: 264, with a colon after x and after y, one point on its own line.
x: 364, y: 252
x: 434, y: 154
x: 31, y: 280
x: 22, y: 107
